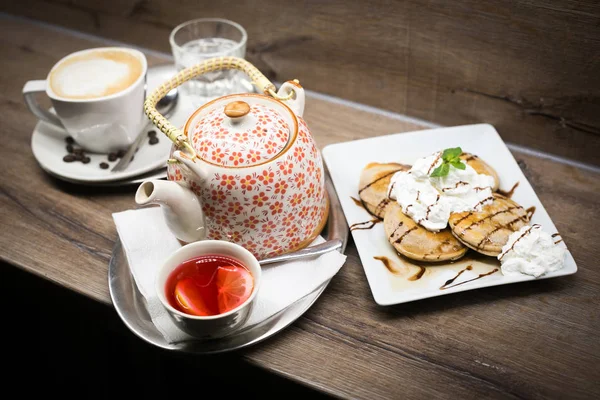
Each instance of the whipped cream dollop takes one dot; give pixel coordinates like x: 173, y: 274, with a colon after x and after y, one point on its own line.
x: 429, y: 201
x: 531, y: 251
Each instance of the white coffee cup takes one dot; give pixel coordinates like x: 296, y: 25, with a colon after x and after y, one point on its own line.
x: 97, y: 96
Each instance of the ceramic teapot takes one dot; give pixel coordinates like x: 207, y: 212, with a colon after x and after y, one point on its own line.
x: 244, y: 168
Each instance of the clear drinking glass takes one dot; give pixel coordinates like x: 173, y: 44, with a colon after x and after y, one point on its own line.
x: 199, y: 39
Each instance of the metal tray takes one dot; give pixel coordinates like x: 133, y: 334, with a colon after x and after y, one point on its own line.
x: 131, y: 305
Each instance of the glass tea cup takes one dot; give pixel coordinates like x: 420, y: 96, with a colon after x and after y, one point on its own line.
x: 199, y: 39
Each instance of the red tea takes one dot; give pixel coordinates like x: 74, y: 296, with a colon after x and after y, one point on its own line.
x: 209, y: 285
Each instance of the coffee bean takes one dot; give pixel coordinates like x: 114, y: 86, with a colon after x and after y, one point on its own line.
x: 86, y: 160
x: 121, y: 153
x: 78, y: 156
x: 78, y: 151
x: 112, y: 156
x: 69, y: 158
x: 103, y: 165
x: 153, y: 140
x: 152, y: 133
x: 70, y: 148
x: 70, y: 140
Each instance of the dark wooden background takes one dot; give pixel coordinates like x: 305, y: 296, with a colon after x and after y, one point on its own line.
x: 530, y: 68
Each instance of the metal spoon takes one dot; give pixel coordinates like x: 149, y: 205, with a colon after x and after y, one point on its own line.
x: 165, y: 106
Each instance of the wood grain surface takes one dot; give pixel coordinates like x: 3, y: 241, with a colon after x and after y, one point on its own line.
x: 534, y: 340
x: 530, y: 68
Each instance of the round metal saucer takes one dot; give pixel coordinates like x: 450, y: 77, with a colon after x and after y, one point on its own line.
x: 131, y: 305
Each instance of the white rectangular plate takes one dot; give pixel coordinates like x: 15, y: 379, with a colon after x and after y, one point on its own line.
x: 345, y: 162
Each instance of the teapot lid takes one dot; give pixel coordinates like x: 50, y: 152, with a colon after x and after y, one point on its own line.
x: 241, y: 130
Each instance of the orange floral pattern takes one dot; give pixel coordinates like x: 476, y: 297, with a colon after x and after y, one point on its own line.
x: 268, y: 208
x: 219, y: 142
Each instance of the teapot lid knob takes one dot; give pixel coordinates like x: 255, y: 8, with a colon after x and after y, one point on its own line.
x: 237, y: 109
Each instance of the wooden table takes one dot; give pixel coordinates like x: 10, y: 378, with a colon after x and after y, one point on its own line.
x: 528, y: 340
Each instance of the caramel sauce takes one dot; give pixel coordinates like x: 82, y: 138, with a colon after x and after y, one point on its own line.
x: 365, y: 224
x: 510, y: 192
x: 530, y: 211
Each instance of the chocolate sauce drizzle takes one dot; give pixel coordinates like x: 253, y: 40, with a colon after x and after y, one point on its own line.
x: 455, y: 186
x: 358, y: 202
x: 389, y: 195
x: 556, y: 235
x: 510, y: 192
x: 377, y: 180
x: 483, y: 201
x: 365, y: 224
x: 515, y: 242
x: 476, y: 223
x: 399, y: 240
x: 394, y: 232
x: 445, y: 285
x: 449, y: 281
x: 382, y: 204
x: 434, y: 161
x: 392, y: 268
x: 431, y: 205
x: 418, y: 275
x: 388, y: 264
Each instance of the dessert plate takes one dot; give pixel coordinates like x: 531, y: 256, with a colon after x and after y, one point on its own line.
x: 131, y: 305
x: 395, y: 279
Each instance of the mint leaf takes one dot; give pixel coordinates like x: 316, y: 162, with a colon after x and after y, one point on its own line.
x: 440, y: 171
x: 451, y: 153
x: 445, y: 169
x: 458, y: 165
x: 450, y: 156
x: 437, y: 172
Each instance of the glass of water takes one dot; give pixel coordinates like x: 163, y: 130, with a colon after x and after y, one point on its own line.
x: 196, y: 40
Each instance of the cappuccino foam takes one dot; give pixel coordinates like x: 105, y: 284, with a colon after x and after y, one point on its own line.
x: 95, y: 74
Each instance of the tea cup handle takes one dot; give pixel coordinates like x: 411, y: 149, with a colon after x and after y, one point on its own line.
x: 292, y: 94
x: 29, y: 91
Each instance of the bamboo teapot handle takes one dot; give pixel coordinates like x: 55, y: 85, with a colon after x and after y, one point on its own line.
x: 209, y: 65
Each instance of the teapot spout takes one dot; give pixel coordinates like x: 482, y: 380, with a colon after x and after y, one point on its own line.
x: 181, y: 207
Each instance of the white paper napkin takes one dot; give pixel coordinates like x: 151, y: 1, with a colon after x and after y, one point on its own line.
x: 147, y: 242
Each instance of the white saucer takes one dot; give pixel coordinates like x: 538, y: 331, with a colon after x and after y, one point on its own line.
x: 49, y: 146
